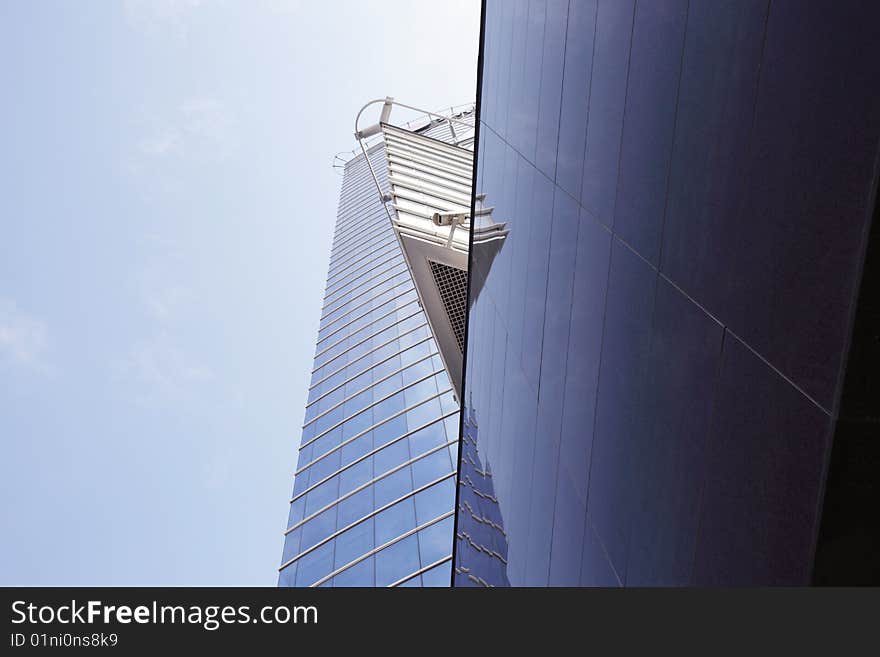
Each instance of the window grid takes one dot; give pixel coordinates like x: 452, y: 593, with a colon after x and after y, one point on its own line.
x: 367, y: 387
x: 384, y: 344
x: 369, y: 297
x: 336, y: 286
x: 424, y: 569
x: 401, y: 263
x: 372, y: 245
x: 365, y: 291
x: 361, y: 316
x: 378, y: 401
x: 375, y: 551
x: 358, y: 264
x: 414, y: 344
x: 352, y: 284
x: 371, y: 427
x: 372, y: 514
x: 359, y: 248
x: 366, y: 484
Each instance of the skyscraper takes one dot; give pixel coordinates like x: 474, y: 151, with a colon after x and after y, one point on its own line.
x: 374, y: 486
x: 670, y: 354
x: 671, y: 375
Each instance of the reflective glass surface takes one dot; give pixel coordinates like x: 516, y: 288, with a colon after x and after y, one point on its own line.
x: 373, y: 491
x: 656, y: 346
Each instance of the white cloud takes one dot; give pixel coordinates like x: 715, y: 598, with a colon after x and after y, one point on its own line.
x: 161, y: 303
x: 160, y: 367
x: 281, y: 6
x: 23, y: 338
x: 159, y: 143
x: 206, y: 118
x: 156, y: 370
x: 200, y: 127
x: 159, y: 289
x: 217, y: 468
x: 161, y: 17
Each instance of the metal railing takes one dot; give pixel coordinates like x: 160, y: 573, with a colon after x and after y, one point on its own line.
x: 420, y: 122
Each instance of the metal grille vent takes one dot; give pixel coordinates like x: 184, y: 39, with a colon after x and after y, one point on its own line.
x: 452, y: 285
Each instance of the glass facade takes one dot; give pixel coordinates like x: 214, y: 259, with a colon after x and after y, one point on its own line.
x: 374, y: 487
x: 655, y: 355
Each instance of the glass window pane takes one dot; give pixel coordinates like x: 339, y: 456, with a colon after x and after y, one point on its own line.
x: 430, y: 468
x: 395, y: 521
x: 354, y: 543
x: 439, y: 576
x: 390, y: 385
x: 423, y: 413
x: 358, y: 402
x: 330, y: 400
x: 315, y: 565
x: 311, y: 412
x: 417, y: 352
x: 427, y: 438
x: 435, y: 501
x: 337, y: 375
x: 393, y: 486
x: 325, y: 466
x: 355, y: 507
x: 300, y: 482
x: 296, y: 512
x: 391, y: 456
x: 412, y: 338
x: 305, y: 455
x: 389, y: 407
x: 359, y: 382
x: 287, y: 577
x: 326, y: 421
x: 357, y: 447
x: 453, y: 455
x: 420, y: 391
x: 384, y: 352
x: 357, y: 475
x: 356, y: 424
x: 397, y: 561
x: 435, y: 542
x: 447, y: 400
x: 318, y: 528
x: 387, y: 367
x: 322, y: 495
x: 291, y: 545
x: 327, y: 442
x: 389, y: 430
x: 417, y: 371
x: 410, y: 323
x: 361, y: 574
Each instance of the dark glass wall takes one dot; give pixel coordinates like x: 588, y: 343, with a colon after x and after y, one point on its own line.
x: 656, y: 353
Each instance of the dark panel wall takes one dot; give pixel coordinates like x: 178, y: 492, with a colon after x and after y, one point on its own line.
x: 848, y: 552
x: 655, y: 355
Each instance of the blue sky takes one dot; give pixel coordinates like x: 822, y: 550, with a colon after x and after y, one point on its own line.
x: 166, y: 208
